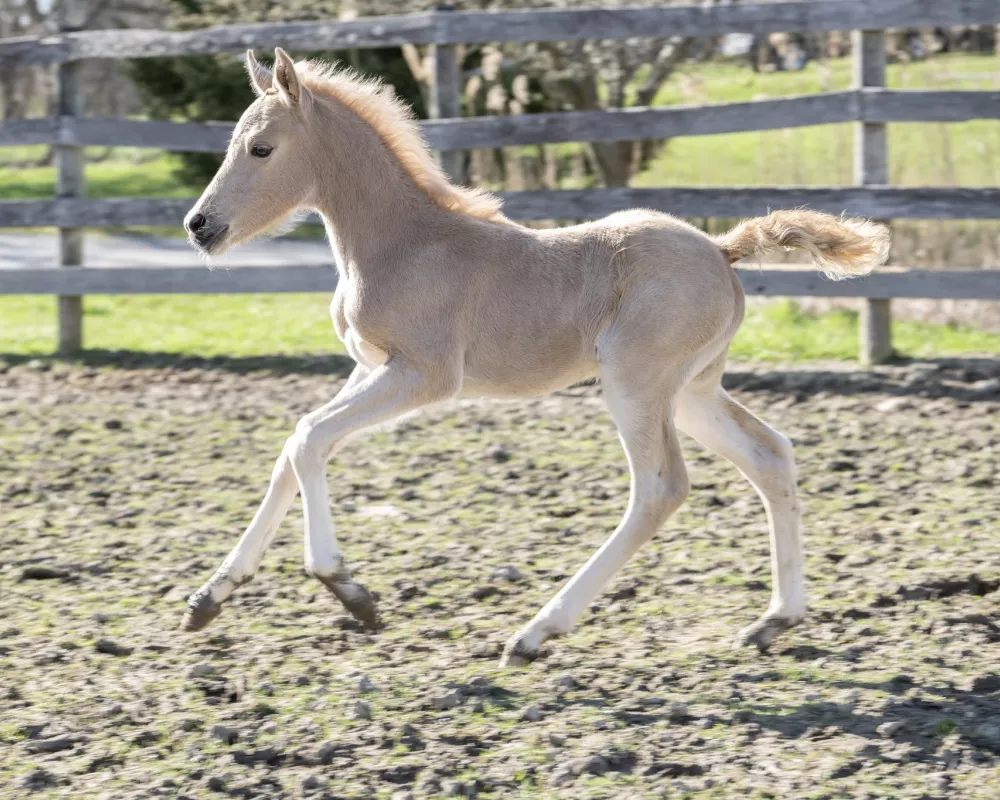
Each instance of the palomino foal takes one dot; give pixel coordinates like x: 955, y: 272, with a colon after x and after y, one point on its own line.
x: 439, y: 295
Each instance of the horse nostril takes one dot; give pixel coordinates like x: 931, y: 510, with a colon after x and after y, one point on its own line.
x: 196, y: 223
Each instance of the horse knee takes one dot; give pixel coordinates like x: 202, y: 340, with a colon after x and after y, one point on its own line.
x: 774, y: 463
x: 663, y: 493
x: 303, y: 449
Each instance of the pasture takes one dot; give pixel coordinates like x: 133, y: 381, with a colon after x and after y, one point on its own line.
x: 122, y: 488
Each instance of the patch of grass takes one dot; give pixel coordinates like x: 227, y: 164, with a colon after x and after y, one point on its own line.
x: 112, y: 178
x: 196, y: 325
x: 921, y: 154
x: 781, y: 331
x: 299, y: 324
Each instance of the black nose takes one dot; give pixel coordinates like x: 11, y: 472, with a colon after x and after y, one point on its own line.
x: 196, y: 223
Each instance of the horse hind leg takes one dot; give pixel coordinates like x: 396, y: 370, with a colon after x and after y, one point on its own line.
x: 659, y: 485
x: 706, y: 412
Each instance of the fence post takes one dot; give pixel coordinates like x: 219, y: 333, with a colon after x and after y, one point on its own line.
x: 70, y: 183
x: 446, y: 95
x: 871, y: 167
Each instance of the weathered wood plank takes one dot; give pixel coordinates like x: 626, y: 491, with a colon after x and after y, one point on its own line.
x: 871, y: 167
x: 642, y: 123
x: 539, y: 25
x: 16, y: 132
x: 191, y: 137
x: 881, y: 202
x: 70, y: 183
x: 871, y: 105
x: 535, y: 25
x: 888, y: 105
x: 169, y: 280
x: 886, y: 283
x: 878, y: 202
x: 445, y: 101
x: 316, y: 35
x: 767, y: 281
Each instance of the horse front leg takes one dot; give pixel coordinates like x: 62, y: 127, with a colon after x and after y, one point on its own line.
x: 241, y: 564
x: 386, y: 394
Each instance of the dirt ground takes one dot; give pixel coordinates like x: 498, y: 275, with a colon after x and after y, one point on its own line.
x: 122, y: 488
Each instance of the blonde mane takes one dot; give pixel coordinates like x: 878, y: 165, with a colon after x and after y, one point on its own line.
x: 377, y: 104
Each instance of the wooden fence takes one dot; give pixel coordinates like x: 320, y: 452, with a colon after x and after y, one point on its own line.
x: 869, y: 105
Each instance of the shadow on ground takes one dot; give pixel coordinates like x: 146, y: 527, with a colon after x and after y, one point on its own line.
x: 327, y: 364
x: 963, y: 379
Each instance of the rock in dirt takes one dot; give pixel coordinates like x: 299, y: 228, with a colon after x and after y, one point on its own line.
x: 40, y: 572
x: 500, y: 454
x: 37, y: 780
x: 365, y: 685
x: 531, y: 714
x: 444, y: 702
x: 484, y: 591
x: 678, y: 712
x: 889, y: 729
x: 56, y: 743
x: 986, y: 684
x: 112, y: 648
x: 201, y: 670
x: 567, y: 681
x: 894, y: 404
x: 593, y: 765
x: 508, y: 573
x: 311, y: 783
x: 225, y: 734
x: 361, y: 710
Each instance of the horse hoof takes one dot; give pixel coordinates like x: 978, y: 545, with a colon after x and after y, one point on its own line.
x: 518, y: 654
x: 358, y: 601
x: 202, y: 609
x: 763, y: 632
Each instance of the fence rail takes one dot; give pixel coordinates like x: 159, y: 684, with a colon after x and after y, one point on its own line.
x: 879, y: 202
x: 864, y: 105
x: 869, y: 105
x: 767, y: 281
x: 535, y: 25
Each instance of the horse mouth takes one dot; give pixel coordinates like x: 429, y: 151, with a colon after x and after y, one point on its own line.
x: 210, y: 242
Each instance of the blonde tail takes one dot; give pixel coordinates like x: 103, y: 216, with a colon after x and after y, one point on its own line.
x: 841, y: 248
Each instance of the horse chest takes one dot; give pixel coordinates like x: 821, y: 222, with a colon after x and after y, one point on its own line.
x: 356, y: 326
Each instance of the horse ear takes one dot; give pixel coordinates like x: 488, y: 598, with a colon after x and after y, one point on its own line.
x: 260, y: 77
x: 284, y: 76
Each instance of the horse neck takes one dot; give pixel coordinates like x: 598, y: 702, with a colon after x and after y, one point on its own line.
x: 368, y: 202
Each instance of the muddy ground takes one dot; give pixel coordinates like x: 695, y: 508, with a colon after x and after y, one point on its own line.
x: 121, y: 488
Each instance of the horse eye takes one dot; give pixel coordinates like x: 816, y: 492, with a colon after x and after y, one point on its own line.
x: 260, y: 151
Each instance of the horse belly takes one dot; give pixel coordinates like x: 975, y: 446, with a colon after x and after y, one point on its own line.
x: 521, y: 368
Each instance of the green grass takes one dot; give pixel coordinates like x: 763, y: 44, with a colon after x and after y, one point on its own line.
x: 112, y: 178
x: 198, y: 325
x: 921, y: 154
x: 291, y: 325
x: 780, y: 331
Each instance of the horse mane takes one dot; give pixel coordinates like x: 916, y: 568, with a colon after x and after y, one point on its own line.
x: 392, y: 119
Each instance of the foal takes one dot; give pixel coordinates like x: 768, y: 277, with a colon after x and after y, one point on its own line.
x: 439, y: 296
